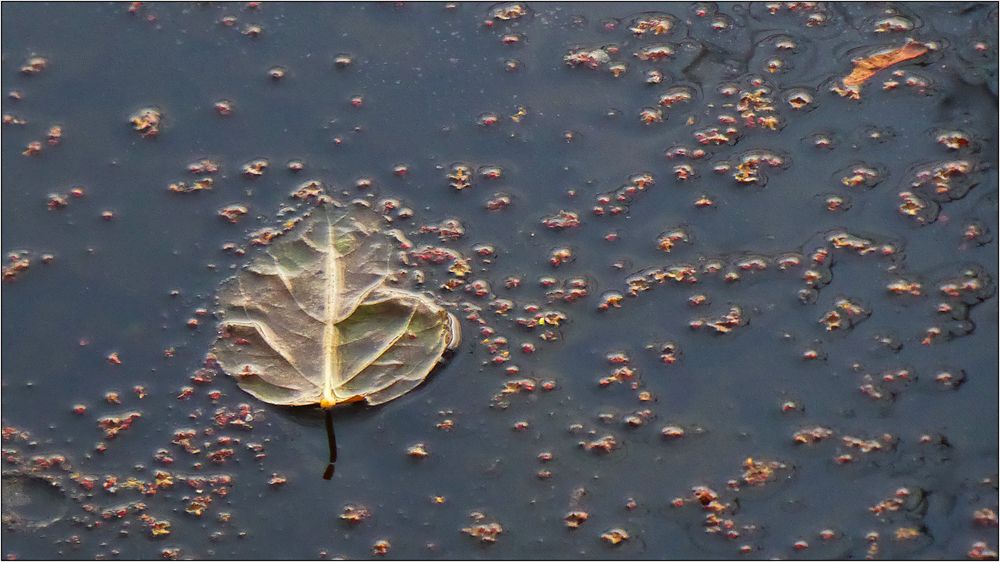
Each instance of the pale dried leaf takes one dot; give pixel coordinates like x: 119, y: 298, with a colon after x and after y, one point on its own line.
x: 312, y: 321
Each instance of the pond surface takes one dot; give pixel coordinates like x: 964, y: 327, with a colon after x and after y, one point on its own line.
x: 799, y: 353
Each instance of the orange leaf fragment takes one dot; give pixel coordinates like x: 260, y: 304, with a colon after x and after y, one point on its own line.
x: 865, y: 68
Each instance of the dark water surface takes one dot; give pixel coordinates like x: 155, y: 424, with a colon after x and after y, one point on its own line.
x: 908, y: 465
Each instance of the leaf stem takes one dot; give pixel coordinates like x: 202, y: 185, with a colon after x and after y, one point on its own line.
x: 331, y: 439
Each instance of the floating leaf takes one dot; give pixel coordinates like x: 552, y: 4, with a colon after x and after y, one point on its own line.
x: 312, y: 321
x: 867, y: 67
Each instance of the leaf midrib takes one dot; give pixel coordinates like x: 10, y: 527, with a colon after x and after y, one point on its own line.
x: 332, y: 287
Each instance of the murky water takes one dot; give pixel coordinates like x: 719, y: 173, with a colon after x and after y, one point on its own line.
x: 898, y: 388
